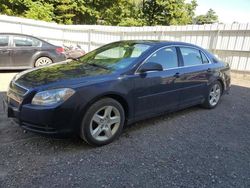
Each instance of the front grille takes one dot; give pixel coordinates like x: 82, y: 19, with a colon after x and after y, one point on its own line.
x: 21, y: 90
x: 16, y: 93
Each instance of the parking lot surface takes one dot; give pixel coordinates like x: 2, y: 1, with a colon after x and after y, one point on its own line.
x: 194, y: 147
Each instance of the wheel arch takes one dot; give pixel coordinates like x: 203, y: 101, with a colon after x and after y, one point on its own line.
x: 116, y: 96
x: 222, y: 84
x: 39, y: 55
x: 219, y: 79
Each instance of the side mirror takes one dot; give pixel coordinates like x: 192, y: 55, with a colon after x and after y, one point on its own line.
x: 150, y: 66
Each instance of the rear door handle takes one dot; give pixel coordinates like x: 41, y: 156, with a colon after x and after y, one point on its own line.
x: 177, y: 75
x: 209, y: 70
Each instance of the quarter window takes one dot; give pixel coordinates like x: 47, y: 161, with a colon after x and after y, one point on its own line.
x: 4, y: 41
x: 191, y: 56
x: 204, y: 58
x: 167, y: 57
x: 26, y: 41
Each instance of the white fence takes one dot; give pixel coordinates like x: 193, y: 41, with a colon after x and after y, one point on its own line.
x: 231, y: 42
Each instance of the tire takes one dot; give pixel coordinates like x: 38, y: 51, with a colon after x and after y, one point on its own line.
x: 103, y: 122
x: 41, y: 61
x: 213, y: 95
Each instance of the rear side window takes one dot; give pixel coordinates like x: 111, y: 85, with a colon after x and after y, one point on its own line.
x: 167, y: 57
x: 191, y: 56
x: 4, y: 41
x: 26, y: 41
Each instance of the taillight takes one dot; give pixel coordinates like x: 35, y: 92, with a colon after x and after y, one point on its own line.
x: 59, y: 50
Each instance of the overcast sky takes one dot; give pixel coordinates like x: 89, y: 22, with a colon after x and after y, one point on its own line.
x: 227, y: 10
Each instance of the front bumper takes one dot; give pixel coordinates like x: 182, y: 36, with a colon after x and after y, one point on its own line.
x: 53, y: 120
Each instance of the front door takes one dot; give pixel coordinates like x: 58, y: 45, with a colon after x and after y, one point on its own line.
x: 5, y: 51
x: 157, y: 91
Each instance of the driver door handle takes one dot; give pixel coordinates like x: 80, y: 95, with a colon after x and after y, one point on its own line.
x: 5, y: 51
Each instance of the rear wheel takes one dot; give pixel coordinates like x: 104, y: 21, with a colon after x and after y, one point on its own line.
x: 213, y: 96
x: 43, y: 61
x: 103, y: 122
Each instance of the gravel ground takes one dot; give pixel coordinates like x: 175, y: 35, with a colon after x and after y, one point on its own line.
x: 194, y: 147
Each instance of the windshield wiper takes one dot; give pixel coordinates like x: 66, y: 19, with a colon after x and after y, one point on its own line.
x: 100, y: 66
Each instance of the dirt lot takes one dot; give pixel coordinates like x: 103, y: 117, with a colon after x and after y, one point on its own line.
x: 190, y: 148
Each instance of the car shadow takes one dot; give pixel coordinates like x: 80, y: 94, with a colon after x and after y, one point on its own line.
x: 10, y: 133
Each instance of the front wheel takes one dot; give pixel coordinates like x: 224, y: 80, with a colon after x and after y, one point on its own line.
x: 213, y: 96
x: 103, y: 122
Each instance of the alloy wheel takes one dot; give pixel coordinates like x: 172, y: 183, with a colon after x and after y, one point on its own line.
x: 105, y: 123
x: 214, y: 95
x: 43, y: 61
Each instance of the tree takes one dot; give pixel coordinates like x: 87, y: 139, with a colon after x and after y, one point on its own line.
x: 168, y: 12
x: 39, y: 11
x: 27, y: 8
x: 107, y: 12
x: 13, y: 7
x: 64, y: 11
x: 209, y: 18
x: 191, y: 10
x: 122, y: 12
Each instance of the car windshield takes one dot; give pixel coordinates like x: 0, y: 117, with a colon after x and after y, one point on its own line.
x: 115, y: 56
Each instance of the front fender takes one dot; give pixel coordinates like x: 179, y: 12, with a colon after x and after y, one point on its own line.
x: 87, y: 95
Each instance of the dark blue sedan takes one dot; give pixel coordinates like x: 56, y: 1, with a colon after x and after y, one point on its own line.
x: 117, y: 84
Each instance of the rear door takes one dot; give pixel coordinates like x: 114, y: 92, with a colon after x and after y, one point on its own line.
x: 194, y: 75
x: 157, y: 91
x: 24, y: 50
x: 5, y: 51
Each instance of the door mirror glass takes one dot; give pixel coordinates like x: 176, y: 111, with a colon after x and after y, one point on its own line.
x: 150, y: 66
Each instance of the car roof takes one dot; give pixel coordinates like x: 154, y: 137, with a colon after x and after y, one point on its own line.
x: 162, y: 43
x: 20, y: 34
x: 159, y: 43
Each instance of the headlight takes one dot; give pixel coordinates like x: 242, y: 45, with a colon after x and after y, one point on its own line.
x: 53, y: 96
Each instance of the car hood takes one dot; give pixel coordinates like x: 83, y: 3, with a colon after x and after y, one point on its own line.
x: 63, y: 72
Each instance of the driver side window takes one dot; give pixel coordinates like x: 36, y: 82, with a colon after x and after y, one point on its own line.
x: 167, y: 57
